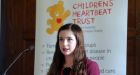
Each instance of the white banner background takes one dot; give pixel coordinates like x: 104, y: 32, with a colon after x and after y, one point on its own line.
x: 104, y: 26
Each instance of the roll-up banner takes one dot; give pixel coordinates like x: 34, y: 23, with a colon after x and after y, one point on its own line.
x: 104, y: 23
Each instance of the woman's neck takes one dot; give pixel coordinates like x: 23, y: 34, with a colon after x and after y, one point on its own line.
x: 68, y: 61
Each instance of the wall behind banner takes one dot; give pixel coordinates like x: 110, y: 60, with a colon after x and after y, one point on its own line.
x: 18, y: 20
x: 2, y: 41
x: 28, y: 6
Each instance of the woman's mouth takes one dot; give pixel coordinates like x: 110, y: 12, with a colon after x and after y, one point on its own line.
x: 65, y: 49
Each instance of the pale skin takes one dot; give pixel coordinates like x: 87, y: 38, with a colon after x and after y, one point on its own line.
x: 67, y: 44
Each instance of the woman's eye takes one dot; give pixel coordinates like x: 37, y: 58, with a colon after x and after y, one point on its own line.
x: 60, y: 39
x: 69, y: 39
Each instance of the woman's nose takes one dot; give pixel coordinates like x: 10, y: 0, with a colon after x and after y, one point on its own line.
x: 65, y: 43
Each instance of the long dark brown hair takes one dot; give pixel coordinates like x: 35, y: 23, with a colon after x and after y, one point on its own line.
x: 79, y: 66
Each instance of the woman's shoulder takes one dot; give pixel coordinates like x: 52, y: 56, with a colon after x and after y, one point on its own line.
x: 92, y: 67
x: 90, y: 62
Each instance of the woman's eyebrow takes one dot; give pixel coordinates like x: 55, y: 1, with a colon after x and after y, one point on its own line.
x: 60, y: 37
x: 65, y: 37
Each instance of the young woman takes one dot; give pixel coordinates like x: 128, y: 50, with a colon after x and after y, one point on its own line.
x: 70, y: 57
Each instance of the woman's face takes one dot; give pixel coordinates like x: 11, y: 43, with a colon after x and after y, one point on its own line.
x: 67, y: 42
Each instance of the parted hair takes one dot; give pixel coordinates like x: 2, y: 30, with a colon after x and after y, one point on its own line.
x: 79, y: 66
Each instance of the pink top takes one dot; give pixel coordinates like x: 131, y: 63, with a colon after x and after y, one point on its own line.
x: 92, y: 68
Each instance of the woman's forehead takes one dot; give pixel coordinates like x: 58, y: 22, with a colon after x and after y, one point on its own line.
x: 66, y: 33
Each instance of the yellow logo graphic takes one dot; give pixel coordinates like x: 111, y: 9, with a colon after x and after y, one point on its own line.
x: 58, y: 14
